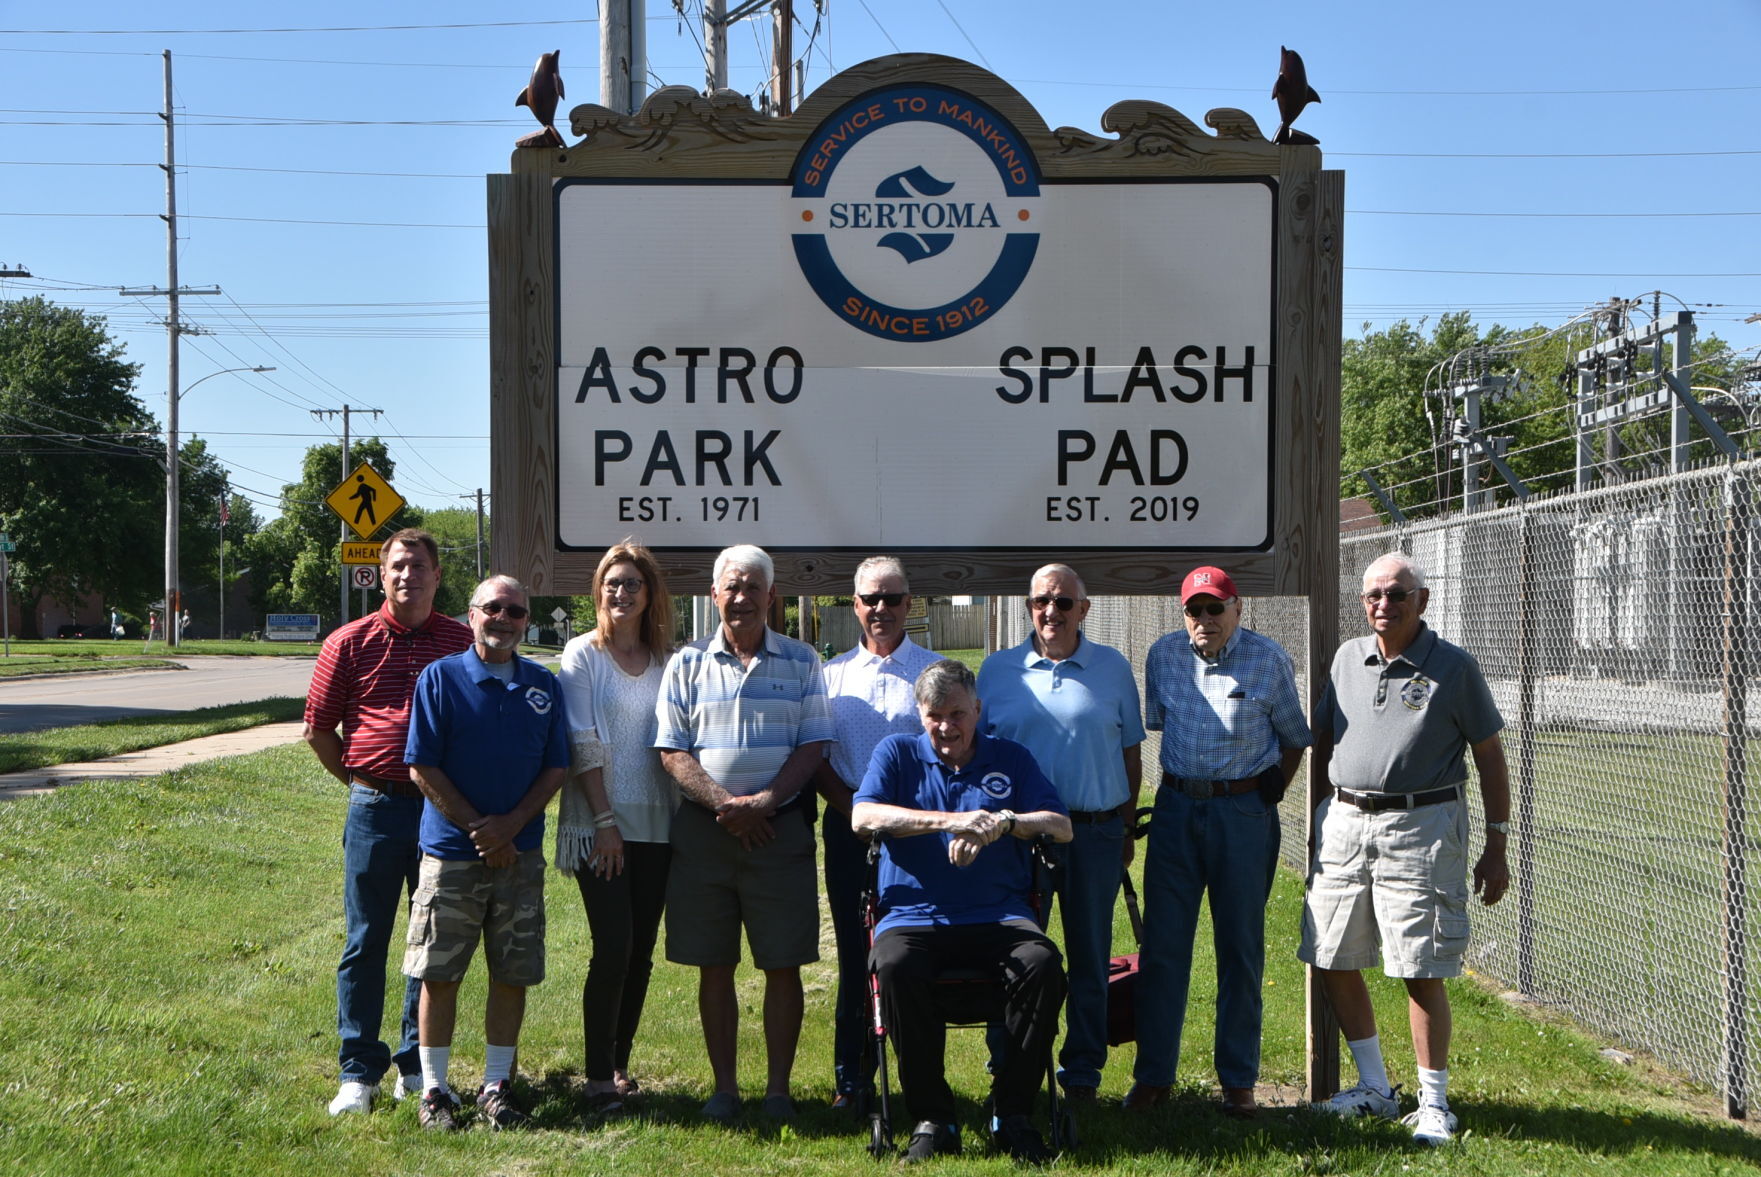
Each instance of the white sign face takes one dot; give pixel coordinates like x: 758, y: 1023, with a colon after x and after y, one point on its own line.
x: 916, y: 345
x: 364, y: 576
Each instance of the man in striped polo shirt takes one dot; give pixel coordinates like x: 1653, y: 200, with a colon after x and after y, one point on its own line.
x: 744, y: 723
x: 364, y: 679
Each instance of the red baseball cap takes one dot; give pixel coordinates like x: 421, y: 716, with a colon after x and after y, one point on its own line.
x: 1207, y: 581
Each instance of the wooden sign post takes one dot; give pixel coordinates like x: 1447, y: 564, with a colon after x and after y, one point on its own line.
x: 913, y: 319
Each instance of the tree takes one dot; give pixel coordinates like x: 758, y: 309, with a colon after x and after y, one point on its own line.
x: 81, y: 487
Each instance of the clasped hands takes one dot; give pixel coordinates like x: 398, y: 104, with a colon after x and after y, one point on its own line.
x: 748, y: 818
x: 493, y: 836
x: 971, y: 832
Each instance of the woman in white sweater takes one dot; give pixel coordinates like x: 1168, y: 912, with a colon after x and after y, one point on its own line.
x: 617, y: 810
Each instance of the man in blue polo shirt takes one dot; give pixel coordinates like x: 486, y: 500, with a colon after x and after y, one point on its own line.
x: 960, y: 899
x: 489, y: 747
x: 1073, y: 703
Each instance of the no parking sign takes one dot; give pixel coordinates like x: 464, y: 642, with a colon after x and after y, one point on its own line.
x: 364, y: 576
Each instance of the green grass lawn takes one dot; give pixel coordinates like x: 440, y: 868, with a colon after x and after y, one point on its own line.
x: 30, y: 665
x: 167, y: 1007
x: 21, y: 751
x: 135, y: 647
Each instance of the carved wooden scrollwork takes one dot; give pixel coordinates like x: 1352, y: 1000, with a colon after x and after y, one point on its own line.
x: 672, y: 118
x: 1148, y: 129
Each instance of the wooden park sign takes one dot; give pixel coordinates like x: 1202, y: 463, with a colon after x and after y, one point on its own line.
x: 913, y: 319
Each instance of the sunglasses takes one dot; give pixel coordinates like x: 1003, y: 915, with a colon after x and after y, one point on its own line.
x: 1394, y: 596
x: 1214, y: 609
x: 1064, y: 604
x: 890, y: 600
x: 495, y: 608
x: 632, y: 585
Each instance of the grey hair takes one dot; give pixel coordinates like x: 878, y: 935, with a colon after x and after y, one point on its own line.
x: 878, y: 566
x: 941, y: 679
x: 1401, y: 563
x: 1066, y: 570
x: 501, y: 579
x: 748, y: 558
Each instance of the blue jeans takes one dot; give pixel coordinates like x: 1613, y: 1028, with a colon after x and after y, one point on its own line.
x: 846, y: 865
x: 380, y: 857
x: 1227, y: 846
x: 1088, y: 888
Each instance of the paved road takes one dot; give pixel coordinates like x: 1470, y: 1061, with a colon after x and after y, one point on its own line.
x: 31, y: 704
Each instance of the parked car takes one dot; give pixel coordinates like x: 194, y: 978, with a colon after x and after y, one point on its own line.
x: 84, y: 629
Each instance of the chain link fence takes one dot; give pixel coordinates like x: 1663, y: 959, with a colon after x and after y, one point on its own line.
x: 1617, y: 628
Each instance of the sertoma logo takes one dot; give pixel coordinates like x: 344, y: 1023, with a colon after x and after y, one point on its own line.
x: 893, y: 208
x: 916, y: 206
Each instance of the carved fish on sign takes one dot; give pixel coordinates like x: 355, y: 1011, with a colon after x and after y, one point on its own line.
x: 1293, y: 92
x: 540, y: 97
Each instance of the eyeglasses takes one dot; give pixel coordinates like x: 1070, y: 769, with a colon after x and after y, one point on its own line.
x: 495, y: 608
x: 1064, y: 604
x: 890, y: 600
x: 632, y: 585
x: 1394, y: 596
x: 1214, y: 609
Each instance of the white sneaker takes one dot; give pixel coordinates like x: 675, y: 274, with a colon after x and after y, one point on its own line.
x: 1363, y: 1100
x: 1431, y: 1125
x: 406, y: 1086
x: 353, y: 1097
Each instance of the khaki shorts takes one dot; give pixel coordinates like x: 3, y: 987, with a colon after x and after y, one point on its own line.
x: 1397, y: 879
x: 715, y: 886
x: 458, y: 903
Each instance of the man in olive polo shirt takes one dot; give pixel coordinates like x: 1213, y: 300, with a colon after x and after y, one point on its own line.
x: 1390, y: 859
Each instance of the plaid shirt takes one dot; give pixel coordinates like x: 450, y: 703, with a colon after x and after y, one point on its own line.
x: 1227, y: 719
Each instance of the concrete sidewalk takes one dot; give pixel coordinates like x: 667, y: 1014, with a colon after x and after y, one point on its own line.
x: 149, y: 761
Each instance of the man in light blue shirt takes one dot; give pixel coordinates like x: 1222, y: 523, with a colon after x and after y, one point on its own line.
x: 1225, y: 700
x: 1074, y: 704
x: 870, y: 690
x: 743, y: 724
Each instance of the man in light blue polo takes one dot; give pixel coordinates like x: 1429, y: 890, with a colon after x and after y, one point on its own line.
x: 1073, y: 703
x: 743, y: 724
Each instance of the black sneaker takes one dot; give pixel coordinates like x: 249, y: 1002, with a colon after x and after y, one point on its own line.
x: 1017, y: 1136
x: 495, y: 1104
x: 930, y: 1139
x: 438, y: 1110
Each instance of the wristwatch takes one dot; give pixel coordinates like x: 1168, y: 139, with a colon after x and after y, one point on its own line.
x: 1007, y: 815
x: 1500, y: 827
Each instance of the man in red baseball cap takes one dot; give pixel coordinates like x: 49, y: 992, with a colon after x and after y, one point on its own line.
x: 1225, y: 700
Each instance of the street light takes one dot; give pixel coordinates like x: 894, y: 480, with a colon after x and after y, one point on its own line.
x: 171, y: 500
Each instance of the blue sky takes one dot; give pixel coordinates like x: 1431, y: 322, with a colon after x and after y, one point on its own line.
x: 1520, y: 161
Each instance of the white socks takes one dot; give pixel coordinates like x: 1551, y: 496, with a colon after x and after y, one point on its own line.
x: 1434, y: 1087
x: 498, y: 1064
x: 434, y: 1063
x: 1372, y: 1072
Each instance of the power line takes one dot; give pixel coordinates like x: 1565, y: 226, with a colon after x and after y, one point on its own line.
x: 495, y: 24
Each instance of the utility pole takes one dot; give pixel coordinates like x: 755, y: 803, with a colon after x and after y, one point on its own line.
x: 715, y: 45
x: 623, y: 55
x: 342, y: 614
x: 479, y: 497
x: 173, y: 329
x: 225, y: 513
x: 782, y: 53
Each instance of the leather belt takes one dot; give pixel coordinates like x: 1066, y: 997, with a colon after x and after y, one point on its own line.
x: 1193, y: 787
x: 390, y: 786
x: 1378, y: 802
x: 1093, y: 817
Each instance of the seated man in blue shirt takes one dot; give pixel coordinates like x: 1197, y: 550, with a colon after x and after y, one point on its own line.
x: 961, y: 899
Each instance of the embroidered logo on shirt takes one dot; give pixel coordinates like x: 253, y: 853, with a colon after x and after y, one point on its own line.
x: 1417, y: 692
x: 538, y: 699
x: 997, y: 785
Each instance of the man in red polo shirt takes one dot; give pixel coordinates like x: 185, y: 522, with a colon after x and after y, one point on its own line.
x: 365, y: 677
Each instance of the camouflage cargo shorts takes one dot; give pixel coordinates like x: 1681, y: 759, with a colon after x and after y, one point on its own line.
x: 458, y: 903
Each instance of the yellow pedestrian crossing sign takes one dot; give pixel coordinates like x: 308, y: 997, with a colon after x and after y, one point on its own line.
x: 364, y: 501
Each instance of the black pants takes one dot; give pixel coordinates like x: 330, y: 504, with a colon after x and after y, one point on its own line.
x: 623, y: 914
x: 908, y: 961
x: 846, y: 863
